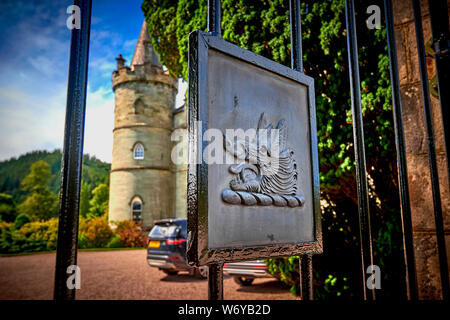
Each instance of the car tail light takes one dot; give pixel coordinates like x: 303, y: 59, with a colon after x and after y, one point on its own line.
x: 174, y: 258
x: 175, y: 241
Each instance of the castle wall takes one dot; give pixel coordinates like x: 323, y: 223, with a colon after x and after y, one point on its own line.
x: 154, y: 187
x: 144, y: 100
x: 180, y: 131
x: 420, y: 193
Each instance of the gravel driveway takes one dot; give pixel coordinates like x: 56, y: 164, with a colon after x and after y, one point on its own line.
x: 120, y: 274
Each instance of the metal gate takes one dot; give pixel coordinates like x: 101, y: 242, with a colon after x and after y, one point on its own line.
x: 74, y: 128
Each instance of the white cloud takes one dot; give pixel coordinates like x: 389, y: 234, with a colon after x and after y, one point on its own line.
x: 99, y: 123
x: 26, y: 126
x: 34, y: 64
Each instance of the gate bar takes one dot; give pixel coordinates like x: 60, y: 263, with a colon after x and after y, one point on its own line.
x: 214, y: 17
x: 296, y: 35
x: 215, y: 281
x: 360, y: 158
x: 431, y: 151
x: 305, y: 261
x: 66, y: 252
x: 306, y: 277
x: 215, y: 271
x: 439, y: 29
x: 405, y: 209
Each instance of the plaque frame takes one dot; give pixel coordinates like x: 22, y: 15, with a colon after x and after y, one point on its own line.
x: 198, y: 253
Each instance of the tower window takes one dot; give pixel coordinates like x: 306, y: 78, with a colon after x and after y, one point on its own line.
x: 136, y: 207
x: 139, y: 152
x: 139, y: 107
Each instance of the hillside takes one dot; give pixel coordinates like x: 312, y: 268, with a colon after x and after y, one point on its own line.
x: 12, y: 171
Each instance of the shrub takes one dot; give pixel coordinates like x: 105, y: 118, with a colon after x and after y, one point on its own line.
x: 82, y: 241
x: 131, y: 234
x: 115, y: 242
x: 39, y: 235
x: 95, y: 232
x: 5, y: 225
x: 286, y: 270
x: 30, y: 237
x: 8, y: 209
x: 5, y: 236
x: 21, y: 219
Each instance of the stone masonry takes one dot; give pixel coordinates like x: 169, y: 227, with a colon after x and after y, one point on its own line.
x: 426, y: 254
x: 144, y: 115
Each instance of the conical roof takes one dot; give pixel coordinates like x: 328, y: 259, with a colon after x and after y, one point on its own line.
x: 144, y: 52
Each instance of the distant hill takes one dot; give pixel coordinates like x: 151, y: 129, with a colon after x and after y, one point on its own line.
x: 12, y: 171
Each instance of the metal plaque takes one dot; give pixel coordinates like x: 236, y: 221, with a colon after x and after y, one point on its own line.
x: 253, y: 178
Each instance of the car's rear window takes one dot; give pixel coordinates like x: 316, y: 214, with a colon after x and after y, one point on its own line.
x: 164, y: 231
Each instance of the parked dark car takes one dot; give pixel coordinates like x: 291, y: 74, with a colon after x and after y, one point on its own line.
x: 166, y: 249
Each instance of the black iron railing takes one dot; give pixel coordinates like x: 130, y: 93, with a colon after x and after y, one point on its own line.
x: 74, y: 128
x: 66, y: 252
x: 405, y: 208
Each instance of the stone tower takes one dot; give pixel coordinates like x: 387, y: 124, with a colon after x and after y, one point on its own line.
x: 142, y: 179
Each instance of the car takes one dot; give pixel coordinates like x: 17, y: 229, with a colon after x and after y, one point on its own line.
x: 245, y: 272
x: 166, y: 248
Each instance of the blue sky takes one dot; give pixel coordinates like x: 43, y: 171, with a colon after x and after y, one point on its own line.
x: 34, y: 55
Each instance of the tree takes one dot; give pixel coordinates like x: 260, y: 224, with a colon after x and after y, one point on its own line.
x: 41, y: 202
x: 99, y: 202
x: 13, y: 171
x: 262, y: 26
x: 38, y: 178
x: 21, y: 219
x: 84, y: 198
x: 8, y: 209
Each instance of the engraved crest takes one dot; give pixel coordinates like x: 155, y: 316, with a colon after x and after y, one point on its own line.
x: 267, y: 172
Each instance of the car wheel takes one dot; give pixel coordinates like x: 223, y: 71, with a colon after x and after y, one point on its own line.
x: 243, y: 281
x: 202, y: 272
x: 170, y: 272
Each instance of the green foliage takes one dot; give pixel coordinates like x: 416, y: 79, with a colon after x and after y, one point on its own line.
x: 171, y: 41
x: 286, y: 270
x: 38, y: 178
x: 41, y: 203
x: 85, y: 194
x: 99, y: 201
x: 13, y: 171
x: 334, y: 287
x: 8, y: 210
x: 95, y: 233
x: 115, y: 242
x: 5, y: 236
x: 21, y: 220
x: 262, y: 26
x: 82, y: 241
x: 33, y: 236
x: 40, y: 206
x: 37, y: 236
